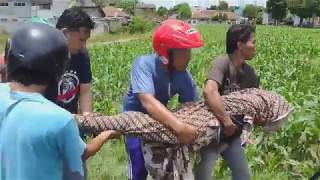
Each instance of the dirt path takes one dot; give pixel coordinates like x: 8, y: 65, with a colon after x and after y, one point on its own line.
x: 115, y: 41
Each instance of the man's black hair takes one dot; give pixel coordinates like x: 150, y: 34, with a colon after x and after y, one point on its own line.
x: 74, y: 18
x: 28, y: 77
x: 238, y: 33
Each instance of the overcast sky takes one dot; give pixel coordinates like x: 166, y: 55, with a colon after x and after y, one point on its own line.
x: 203, y: 3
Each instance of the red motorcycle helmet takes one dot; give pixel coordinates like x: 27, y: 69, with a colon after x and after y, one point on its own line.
x: 175, y: 34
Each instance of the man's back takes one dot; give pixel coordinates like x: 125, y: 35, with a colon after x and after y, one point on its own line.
x: 37, y: 137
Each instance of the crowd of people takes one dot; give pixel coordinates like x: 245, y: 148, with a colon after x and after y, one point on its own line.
x: 47, y: 77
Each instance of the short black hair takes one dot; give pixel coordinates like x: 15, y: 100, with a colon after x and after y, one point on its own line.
x: 27, y: 77
x: 74, y: 18
x: 238, y: 33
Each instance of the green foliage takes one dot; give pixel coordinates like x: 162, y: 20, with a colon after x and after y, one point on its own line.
x: 183, y: 10
x: 304, y: 8
x: 128, y: 6
x: 220, y: 17
x: 162, y: 11
x: 252, y: 12
x: 277, y: 8
x: 288, y: 20
x: 225, y: 17
x: 223, y: 5
x: 259, y: 17
x: 100, y: 2
x: 139, y: 25
x: 215, y: 18
x: 316, y: 6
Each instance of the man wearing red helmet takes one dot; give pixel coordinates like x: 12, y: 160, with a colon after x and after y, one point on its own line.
x: 155, y: 79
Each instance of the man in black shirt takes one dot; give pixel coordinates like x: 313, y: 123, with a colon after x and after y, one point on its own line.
x: 74, y: 86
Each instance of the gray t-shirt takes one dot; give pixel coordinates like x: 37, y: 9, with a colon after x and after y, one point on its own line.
x: 229, y: 78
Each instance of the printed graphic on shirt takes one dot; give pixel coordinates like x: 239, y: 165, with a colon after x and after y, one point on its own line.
x: 68, y: 87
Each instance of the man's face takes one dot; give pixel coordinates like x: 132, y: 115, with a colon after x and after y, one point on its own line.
x: 77, y: 39
x: 248, y: 49
x: 181, y: 58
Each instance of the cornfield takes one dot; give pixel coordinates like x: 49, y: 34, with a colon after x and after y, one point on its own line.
x: 288, y: 62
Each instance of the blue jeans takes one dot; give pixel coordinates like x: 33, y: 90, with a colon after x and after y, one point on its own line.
x: 234, y: 156
x: 136, y: 168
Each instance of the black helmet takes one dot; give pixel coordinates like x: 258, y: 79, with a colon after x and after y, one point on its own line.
x: 38, y: 49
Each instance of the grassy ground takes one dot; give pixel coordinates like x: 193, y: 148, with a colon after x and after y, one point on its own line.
x: 101, y: 38
x: 107, y: 37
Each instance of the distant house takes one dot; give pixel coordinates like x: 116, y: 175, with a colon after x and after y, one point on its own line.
x: 92, y: 9
x: 143, y: 8
x: 231, y: 16
x: 173, y: 16
x: 56, y: 9
x: 296, y: 20
x: 114, y: 18
x: 200, y: 15
x: 317, y: 21
x: 15, y: 12
x: 58, y: 6
x: 111, y: 12
x: 43, y: 4
x: 107, y: 19
x: 21, y: 8
x: 266, y: 18
x: 95, y: 12
x: 312, y: 22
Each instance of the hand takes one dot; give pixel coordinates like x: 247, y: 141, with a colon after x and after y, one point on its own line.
x: 110, y: 134
x: 186, y: 134
x: 87, y: 113
x: 247, y: 142
x: 229, y: 128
